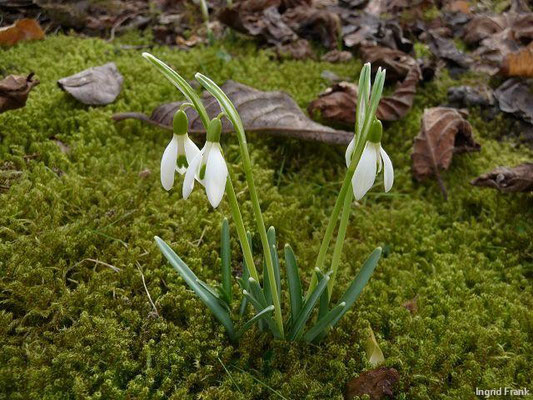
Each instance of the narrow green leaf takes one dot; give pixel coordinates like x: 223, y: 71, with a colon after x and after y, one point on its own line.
x: 182, y: 85
x: 294, y: 283
x: 257, y: 292
x: 266, y: 312
x: 323, y: 305
x: 260, y: 307
x: 225, y: 256
x: 190, y: 278
x: 307, y: 308
x: 355, y: 289
x: 323, y: 323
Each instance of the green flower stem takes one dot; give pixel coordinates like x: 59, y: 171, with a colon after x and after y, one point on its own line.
x: 241, y: 231
x: 232, y: 114
x: 341, y: 234
x: 346, y: 186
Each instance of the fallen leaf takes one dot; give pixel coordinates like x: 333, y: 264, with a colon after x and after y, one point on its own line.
x: 14, y: 91
x: 490, y: 55
x: 297, y: 50
x: 483, y: 26
x: 459, y: 6
x: 376, y: 383
x: 467, y: 96
x: 94, y: 86
x: 519, y: 63
x: 444, y: 132
x: 373, y: 352
x: 445, y: 49
x: 514, y: 97
x: 21, y: 30
x: 370, y: 30
x: 411, y: 305
x: 145, y: 173
x: 337, y: 104
x: 273, y: 113
x: 396, y: 62
x: 314, y: 23
x: 505, y: 179
x: 65, y: 148
x: 396, y: 106
x: 336, y: 56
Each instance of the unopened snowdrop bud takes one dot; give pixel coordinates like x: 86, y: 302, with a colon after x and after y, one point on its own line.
x: 372, y: 160
x: 209, y: 167
x: 180, y: 151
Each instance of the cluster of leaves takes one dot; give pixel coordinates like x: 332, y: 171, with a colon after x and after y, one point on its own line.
x: 219, y: 300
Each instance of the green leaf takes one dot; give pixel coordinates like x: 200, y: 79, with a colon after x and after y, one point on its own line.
x: 307, y: 308
x: 323, y: 323
x: 260, y: 307
x: 257, y: 292
x: 294, y: 283
x: 192, y: 281
x: 263, y: 314
x: 271, y: 237
x: 182, y: 85
x: 355, y: 289
x: 225, y: 256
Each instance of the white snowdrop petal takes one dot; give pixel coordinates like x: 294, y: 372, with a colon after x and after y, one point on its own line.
x: 216, y: 175
x: 365, y: 173
x: 388, y: 172
x: 191, y: 150
x: 188, y: 182
x: 168, y: 163
x: 349, y: 152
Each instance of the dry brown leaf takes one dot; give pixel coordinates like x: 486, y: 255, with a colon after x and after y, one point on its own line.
x: 273, y: 113
x: 297, y: 50
x: 519, y: 63
x: 376, y: 383
x: 505, y: 179
x: 23, y: 29
x: 337, y: 104
x: 336, y: 56
x: 94, y: 86
x: 14, y: 91
x: 515, y: 97
x: 444, y: 132
x: 396, y: 62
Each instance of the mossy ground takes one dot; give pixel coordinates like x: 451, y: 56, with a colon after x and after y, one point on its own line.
x: 73, y: 328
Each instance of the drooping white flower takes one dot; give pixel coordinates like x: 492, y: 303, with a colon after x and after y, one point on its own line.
x: 179, y: 153
x: 373, y: 159
x: 208, y: 167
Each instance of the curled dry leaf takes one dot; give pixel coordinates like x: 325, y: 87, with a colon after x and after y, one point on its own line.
x: 514, y: 96
x: 314, y: 23
x: 505, y: 179
x: 444, y: 132
x: 445, y: 49
x: 396, y: 62
x: 297, y: 50
x: 337, y: 104
x: 336, y: 56
x: 467, y: 96
x: 94, y: 86
x: 14, y: 91
x: 377, y: 384
x: 519, y: 63
x: 23, y: 29
x: 273, y: 113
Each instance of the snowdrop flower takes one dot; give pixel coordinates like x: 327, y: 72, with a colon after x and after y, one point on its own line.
x: 208, y: 167
x: 179, y: 153
x: 373, y: 159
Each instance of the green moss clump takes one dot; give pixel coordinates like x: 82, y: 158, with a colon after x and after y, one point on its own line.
x: 72, y: 327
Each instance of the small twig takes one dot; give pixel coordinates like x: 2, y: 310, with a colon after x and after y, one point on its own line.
x: 116, y: 269
x: 201, y: 238
x: 117, y: 24
x: 146, y: 288
x: 229, y: 374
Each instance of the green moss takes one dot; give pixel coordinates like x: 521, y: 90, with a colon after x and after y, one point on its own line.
x: 74, y: 328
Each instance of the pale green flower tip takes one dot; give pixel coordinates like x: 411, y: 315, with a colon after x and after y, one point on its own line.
x: 270, y: 308
x: 343, y: 304
x: 245, y: 292
x: 251, y: 280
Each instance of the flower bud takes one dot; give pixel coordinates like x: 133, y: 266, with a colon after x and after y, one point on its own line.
x: 180, y: 123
